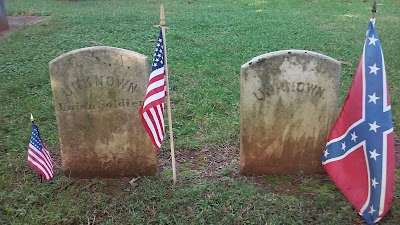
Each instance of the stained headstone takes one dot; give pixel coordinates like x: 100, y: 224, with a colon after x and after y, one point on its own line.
x: 3, y: 16
x: 97, y: 95
x: 288, y: 104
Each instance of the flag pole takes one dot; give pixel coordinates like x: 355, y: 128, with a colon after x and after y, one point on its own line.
x: 373, y: 10
x: 33, y: 122
x: 171, y: 135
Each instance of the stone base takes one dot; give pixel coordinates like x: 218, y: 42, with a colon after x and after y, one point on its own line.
x: 131, y: 170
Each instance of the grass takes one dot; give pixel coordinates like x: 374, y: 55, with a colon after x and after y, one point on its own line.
x: 207, y: 42
x: 214, y: 202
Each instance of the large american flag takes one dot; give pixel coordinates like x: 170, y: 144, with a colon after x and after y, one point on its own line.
x: 38, y: 156
x: 359, y: 154
x: 152, y: 111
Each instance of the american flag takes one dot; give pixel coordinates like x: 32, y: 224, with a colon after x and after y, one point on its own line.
x: 38, y: 156
x: 359, y: 154
x: 152, y: 111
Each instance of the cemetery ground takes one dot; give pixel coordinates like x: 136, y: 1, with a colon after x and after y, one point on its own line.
x: 207, y: 43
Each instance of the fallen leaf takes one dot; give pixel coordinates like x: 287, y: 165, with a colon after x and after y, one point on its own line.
x: 345, y: 63
x: 134, y: 180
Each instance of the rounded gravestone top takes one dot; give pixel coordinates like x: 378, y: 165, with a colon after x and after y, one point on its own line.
x: 98, y: 92
x: 288, y: 104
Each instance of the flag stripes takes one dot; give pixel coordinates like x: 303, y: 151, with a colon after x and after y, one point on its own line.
x: 153, y: 120
x: 152, y: 110
x: 38, y: 156
x: 155, y: 93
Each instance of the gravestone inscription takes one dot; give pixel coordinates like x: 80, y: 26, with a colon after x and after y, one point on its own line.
x: 97, y: 95
x: 288, y: 104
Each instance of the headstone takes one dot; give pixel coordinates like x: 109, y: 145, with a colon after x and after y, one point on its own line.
x: 97, y: 95
x: 288, y: 104
x: 3, y: 16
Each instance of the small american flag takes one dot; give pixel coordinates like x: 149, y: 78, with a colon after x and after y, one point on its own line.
x: 152, y: 111
x: 38, y: 156
x: 359, y: 155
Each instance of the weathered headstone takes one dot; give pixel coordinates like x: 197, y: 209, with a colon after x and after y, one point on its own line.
x: 97, y: 95
x: 3, y: 16
x: 288, y: 104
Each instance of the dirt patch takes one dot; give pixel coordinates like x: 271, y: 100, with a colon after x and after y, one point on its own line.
x: 216, y: 164
x: 17, y: 21
x: 211, y: 163
x: 203, y: 164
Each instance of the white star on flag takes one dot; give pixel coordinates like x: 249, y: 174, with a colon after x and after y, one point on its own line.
x: 344, y: 146
x: 374, y: 69
x: 372, y: 210
x: 372, y: 40
x: 374, y: 183
x: 373, y: 98
x: 373, y: 126
x: 353, y: 136
x: 374, y: 154
x: 326, y: 153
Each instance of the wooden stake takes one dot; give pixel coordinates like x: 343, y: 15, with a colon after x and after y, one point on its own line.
x: 373, y: 10
x: 162, y: 16
x: 171, y: 135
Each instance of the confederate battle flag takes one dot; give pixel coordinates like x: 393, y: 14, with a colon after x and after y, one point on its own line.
x: 359, y: 154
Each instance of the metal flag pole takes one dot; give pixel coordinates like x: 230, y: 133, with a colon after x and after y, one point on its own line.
x: 33, y: 122
x: 171, y: 135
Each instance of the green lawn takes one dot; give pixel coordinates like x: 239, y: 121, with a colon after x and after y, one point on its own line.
x: 208, y: 41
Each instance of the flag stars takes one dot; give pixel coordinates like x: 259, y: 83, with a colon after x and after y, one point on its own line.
x: 371, y: 209
x: 326, y: 153
x: 372, y: 40
x: 373, y: 126
x: 370, y: 117
x: 354, y: 136
x: 373, y: 98
x: 374, y: 183
x: 374, y: 69
x: 374, y: 154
